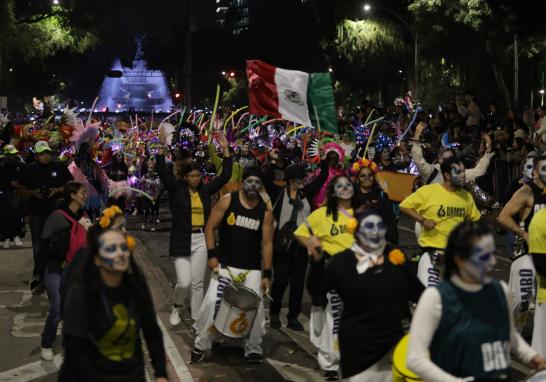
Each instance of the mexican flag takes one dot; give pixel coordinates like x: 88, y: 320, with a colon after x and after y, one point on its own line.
x: 304, y: 98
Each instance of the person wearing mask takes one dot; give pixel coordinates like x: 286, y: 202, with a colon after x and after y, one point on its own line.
x: 12, y: 222
x: 104, y: 313
x: 243, y: 257
x: 516, y: 217
x: 439, y: 208
x: 452, y: 337
x: 330, y: 230
x: 291, y: 205
x: 375, y: 282
x: 63, y: 236
x: 369, y: 193
x: 537, y: 249
x: 189, y: 201
x: 43, y: 182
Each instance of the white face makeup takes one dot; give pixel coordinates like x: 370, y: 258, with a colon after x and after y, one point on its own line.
x: 528, y: 168
x: 541, y: 169
x: 371, y: 232
x: 458, y: 177
x: 252, y: 186
x: 343, y: 189
x: 114, y: 252
x: 480, y: 265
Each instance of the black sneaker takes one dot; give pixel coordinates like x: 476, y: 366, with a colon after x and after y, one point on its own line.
x: 197, y: 355
x: 255, y: 358
x: 331, y: 375
x: 274, y: 321
x: 295, y: 325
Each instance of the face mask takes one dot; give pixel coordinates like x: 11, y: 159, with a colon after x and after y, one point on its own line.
x: 344, y: 190
x: 528, y: 168
x: 114, y: 255
x: 542, y: 172
x: 252, y: 186
x: 371, y: 232
x: 458, y: 178
x: 481, y: 263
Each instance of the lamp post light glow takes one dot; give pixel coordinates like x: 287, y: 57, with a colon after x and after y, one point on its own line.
x: 367, y: 7
x: 541, y: 91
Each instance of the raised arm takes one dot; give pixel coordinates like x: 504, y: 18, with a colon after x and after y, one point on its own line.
x: 227, y: 166
x: 166, y: 177
x: 425, y: 168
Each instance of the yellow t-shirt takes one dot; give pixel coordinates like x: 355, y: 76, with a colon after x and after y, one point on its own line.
x: 197, y: 213
x: 537, y: 233
x: 334, y: 236
x: 446, y: 208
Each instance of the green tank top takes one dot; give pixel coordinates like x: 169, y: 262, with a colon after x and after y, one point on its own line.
x: 473, y: 337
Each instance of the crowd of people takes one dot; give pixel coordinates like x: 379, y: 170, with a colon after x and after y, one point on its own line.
x: 267, y: 207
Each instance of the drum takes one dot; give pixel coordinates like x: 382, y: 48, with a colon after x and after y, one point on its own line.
x: 400, y: 372
x: 237, y: 311
x: 539, y: 376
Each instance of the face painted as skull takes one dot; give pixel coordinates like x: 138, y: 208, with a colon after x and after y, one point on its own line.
x: 528, y: 168
x: 458, y: 177
x: 343, y: 189
x: 541, y: 170
x: 371, y: 232
x: 252, y: 186
x: 114, y: 252
x: 480, y: 265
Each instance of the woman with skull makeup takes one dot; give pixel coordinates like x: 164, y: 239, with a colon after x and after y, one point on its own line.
x: 189, y: 200
x: 462, y: 329
x: 375, y: 283
x: 105, y: 310
x: 328, y: 230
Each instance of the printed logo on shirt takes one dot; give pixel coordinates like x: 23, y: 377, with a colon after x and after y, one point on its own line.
x: 539, y: 207
x: 53, y: 174
x: 495, y: 355
x: 526, y: 286
x: 451, y: 212
x: 336, y: 305
x: 243, y: 222
x: 338, y: 229
x: 231, y: 219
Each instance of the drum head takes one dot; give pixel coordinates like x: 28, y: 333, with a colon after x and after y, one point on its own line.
x: 399, y: 362
x: 241, y: 297
x: 537, y: 377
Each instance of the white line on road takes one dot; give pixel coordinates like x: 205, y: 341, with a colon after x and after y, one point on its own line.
x: 177, y: 361
x: 295, y: 373
x: 32, y: 370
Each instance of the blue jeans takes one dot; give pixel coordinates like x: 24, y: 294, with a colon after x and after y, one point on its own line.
x: 53, y: 283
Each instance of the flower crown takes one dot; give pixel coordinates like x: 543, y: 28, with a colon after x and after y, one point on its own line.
x: 355, y: 168
x: 106, y: 218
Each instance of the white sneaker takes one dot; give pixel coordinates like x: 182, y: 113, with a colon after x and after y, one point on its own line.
x: 174, y: 318
x: 18, y: 242
x: 46, y: 354
x: 6, y: 244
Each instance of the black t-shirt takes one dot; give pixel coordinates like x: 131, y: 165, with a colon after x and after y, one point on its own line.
x: 42, y: 177
x: 374, y: 305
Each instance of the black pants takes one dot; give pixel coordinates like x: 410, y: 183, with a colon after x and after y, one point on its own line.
x: 36, y: 228
x: 288, y: 269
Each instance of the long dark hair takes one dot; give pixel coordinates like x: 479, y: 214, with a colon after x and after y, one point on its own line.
x: 460, y: 243
x: 69, y: 189
x: 331, y: 199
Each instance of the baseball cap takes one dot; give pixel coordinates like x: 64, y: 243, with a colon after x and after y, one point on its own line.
x: 41, y: 146
x: 10, y: 149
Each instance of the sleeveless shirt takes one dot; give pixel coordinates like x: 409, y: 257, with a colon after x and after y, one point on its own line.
x: 471, y: 341
x: 241, y: 235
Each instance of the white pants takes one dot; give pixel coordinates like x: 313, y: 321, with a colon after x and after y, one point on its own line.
x: 428, y: 273
x: 539, y: 329
x: 522, y: 290
x: 381, y: 371
x: 323, y: 331
x: 190, y: 271
x: 205, y: 321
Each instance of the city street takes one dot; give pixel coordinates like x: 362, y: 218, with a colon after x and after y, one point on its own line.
x: 289, y: 355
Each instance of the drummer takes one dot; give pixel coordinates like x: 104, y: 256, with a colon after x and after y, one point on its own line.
x: 246, y: 238
x: 462, y: 328
x: 375, y: 282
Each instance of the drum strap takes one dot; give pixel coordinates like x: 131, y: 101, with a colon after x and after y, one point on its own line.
x: 239, y: 278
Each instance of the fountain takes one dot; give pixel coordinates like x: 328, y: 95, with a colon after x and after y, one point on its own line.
x: 137, y: 89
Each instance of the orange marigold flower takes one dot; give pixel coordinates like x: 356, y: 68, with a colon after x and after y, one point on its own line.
x: 397, y: 257
x: 104, y: 221
x: 351, y: 225
x: 131, y: 242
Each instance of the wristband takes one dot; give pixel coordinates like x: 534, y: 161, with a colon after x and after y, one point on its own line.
x: 212, y: 253
x: 267, y: 274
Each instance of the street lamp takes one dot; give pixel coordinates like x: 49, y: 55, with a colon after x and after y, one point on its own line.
x: 368, y: 8
x: 56, y: 2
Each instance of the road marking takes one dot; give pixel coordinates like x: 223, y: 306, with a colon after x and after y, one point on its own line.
x: 401, y: 227
x: 177, y: 361
x: 32, y: 370
x: 295, y: 373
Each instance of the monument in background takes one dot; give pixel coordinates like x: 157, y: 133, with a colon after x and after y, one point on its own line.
x: 138, y: 88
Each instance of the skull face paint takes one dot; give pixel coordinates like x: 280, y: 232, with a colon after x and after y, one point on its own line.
x: 343, y: 189
x: 541, y: 169
x: 252, y: 186
x: 371, y: 233
x: 458, y: 177
x: 480, y: 264
x: 528, y: 168
x: 114, y: 252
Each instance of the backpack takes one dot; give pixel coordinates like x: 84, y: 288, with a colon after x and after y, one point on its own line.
x: 78, y: 238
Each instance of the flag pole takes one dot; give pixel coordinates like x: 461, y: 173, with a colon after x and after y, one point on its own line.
x: 317, y: 117
x: 369, y: 140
